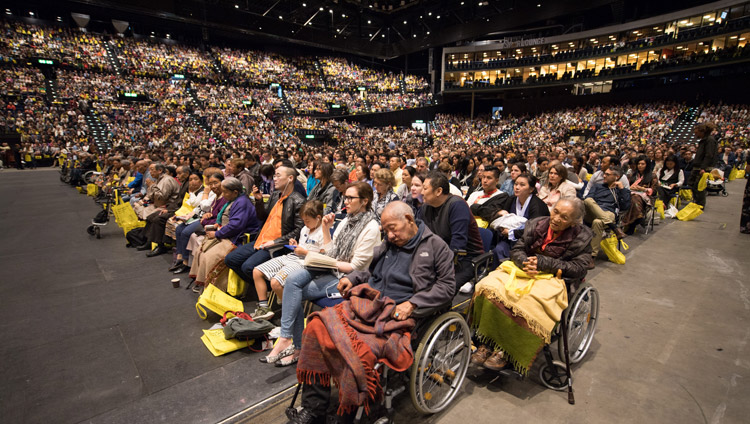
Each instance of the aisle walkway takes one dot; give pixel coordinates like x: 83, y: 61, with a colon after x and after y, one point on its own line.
x: 672, y: 342
x: 94, y: 332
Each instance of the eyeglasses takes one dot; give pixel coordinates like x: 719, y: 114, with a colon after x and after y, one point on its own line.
x: 348, y: 199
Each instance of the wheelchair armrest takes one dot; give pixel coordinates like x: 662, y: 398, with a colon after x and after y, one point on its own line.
x: 426, y: 312
x: 484, y: 257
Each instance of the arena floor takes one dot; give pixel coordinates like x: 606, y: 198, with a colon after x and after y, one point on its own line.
x: 93, y: 332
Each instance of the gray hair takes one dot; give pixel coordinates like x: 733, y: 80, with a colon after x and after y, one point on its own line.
x: 399, y: 210
x: 159, y: 166
x: 617, y: 170
x: 577, y: 205
x: 232, y: 184
x: 125, y: 162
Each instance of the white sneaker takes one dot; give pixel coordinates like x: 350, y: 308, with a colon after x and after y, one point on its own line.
x: 467, y: 288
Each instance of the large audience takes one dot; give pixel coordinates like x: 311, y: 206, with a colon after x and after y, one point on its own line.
x: 231, y: 185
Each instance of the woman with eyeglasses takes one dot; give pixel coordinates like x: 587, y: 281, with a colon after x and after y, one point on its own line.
x: 352, y: 245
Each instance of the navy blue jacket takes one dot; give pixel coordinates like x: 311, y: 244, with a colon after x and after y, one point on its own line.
x: 603, y: 197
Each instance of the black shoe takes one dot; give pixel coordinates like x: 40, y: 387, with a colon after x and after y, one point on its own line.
x: 182, y: 269
x: 175, y: 266
x: 305, y: 416
x: 142, y: 247
x: 160, y: 250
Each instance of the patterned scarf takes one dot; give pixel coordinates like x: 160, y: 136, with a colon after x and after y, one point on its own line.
x: 343, y: 249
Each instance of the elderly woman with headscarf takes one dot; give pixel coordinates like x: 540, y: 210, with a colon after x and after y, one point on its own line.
x: 514, y: 324
x: 235, y: 218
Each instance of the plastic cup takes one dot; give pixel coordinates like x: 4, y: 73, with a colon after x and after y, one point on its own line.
x: 176, y: 283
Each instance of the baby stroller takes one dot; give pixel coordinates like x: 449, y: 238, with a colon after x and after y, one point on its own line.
x: 102, y: 218
x: 716, y: 183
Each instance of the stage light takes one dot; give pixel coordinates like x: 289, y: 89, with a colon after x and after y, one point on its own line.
x: 236, y: 6
x: 369, y: 22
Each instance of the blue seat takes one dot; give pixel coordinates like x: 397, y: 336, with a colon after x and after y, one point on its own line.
x: 327, y: 302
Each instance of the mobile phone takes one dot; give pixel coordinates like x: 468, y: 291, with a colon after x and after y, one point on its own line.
x: 290, y: 247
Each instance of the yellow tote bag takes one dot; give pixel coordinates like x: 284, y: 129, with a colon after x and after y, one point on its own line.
x: 659, y: 204
x: 609, y: 246
x: 733, y: 174
x: 740, y: 174
x: 217, y: 301
x: 218, y: 345
x: 686, y: 194
x: 511, y: 286
x: 92, y: 190
x: 690, y: 212
x: 235, y: 284
x: 185, y: 208
x: 702, y: 184
x: 482, y: 223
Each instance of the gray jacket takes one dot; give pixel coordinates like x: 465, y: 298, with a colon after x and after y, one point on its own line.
x: 431, y: 271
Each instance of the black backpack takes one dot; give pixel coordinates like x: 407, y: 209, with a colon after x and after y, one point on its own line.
x: 135, y: 237
x: 102, y: 217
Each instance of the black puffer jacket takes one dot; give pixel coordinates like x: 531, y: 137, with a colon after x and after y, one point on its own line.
x: 291, y: 222
x: 574, y: 261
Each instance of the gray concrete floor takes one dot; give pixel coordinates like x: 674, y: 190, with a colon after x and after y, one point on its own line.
x: 671, y: 345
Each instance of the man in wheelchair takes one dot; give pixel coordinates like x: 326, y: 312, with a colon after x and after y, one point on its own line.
x: 516, y: 307
x: 412, y: 269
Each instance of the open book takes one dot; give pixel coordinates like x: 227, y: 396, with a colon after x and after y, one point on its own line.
x: 318, y: 260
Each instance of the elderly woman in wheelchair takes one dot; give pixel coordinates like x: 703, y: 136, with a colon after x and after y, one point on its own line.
x: 412, y: 271
x: 515, y: 309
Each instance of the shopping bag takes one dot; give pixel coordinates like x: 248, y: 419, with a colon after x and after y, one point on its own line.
x: 235, y: 284
x: 217, y: 301
x: 690, y: 212
x: 218, y: 345
x: 733, y: 174
x: 686, y: 194
x: 92, y: 190
x: 659, y: 205
x: 671, y: 212
x: 185, y: 208
x: 703, y: 181
x: 609, y: 246
x: 482, y: 223
x: 516, y: 276
x: 740, y: 174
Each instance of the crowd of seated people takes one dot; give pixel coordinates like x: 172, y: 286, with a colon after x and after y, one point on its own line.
x: 256, y: 67
x: 21, y: 81
x: 369, y: 202
x: 72, y: 48
x: 145, y: 58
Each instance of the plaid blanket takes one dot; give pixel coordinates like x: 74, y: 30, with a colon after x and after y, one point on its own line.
x: 345, y: 342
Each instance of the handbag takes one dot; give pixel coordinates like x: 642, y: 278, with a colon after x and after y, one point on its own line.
x: 92, y: 190
x: 217, y: 301
x: 703, y: 181
x: 740, y: 174
x: 218, y: 345
x: 609, y: 246
x: 514, y: 272
x: 733, y: 174
x: 659, y: 205
x: 690, y: 212
x: 246, y: 329
x: 686, y: 194
x: 235, y: 284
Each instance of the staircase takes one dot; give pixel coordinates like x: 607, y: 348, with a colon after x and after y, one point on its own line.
x: 111, y: 50
x: 402, y: 85
x: 367, y: 104
x: 98, y: 130
x: 201, y: 122
x: 218, y: 69
x: 319, y: 68
x: 682, y: 130
x: 286, y: 108
x: 194, y: 101
x: 50, y: 85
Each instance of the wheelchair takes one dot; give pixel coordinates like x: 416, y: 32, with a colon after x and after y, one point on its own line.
x: 573, y: 335
x: 441, y: 342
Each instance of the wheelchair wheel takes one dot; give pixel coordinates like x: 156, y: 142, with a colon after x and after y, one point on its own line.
x: 97, y: 232
x: 88, y: 177
x: 554, y: 377
x: 581, y: 317
x: 440, y: 363
x: 724, y: 193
